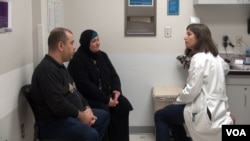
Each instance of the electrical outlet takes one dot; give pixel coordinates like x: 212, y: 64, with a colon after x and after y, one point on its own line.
x: 238, y: 42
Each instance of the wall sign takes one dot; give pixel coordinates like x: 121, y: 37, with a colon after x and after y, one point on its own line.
x: 141, y: 3
x: 3, y: 14
x: 173, y: 7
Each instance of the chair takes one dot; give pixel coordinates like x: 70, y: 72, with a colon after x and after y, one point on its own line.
x: 26, y: 91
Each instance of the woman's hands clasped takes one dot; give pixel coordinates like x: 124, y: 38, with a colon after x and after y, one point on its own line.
x: 113, y: 101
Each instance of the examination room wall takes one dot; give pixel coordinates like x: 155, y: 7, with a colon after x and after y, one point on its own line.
x: 144, y: 62
x: 16, y: 61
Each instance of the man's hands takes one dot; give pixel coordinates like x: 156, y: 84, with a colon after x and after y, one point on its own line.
x: 87, y: 117
x: 114, y: 101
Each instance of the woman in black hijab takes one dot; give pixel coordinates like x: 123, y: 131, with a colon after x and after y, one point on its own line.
x: 99, y: 83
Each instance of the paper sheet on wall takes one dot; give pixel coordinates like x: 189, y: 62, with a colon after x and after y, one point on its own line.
x: 54, y: 15
x: 173, y: 7
x: 141, y: 2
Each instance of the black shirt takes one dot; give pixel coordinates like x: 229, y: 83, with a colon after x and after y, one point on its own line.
x: 54, y: 93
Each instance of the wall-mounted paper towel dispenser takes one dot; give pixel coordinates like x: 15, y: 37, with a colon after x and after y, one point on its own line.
x: 140, y: 18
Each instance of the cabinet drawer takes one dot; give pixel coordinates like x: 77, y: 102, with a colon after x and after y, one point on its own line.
x: 238, y: 80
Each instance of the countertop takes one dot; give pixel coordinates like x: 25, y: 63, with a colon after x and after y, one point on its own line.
x: 236, y: 69
x: 239, y: 72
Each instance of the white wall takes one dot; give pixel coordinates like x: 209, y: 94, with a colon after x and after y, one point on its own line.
x: 139, y: 72
x: 16, y: 62
x: 13, y: 107
x: 144, y: 62
x: 18, y: 42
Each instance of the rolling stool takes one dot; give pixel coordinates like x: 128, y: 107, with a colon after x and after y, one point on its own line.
x: 26, y: 91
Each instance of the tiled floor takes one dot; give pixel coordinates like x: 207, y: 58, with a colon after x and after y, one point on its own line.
x: 142, y: 137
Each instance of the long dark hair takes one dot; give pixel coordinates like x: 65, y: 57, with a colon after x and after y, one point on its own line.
x: 204, y: 40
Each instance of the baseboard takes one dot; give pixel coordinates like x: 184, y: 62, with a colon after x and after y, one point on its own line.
x: 141, y: 129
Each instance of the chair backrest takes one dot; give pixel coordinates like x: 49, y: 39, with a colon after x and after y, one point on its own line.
x: 26, y: 92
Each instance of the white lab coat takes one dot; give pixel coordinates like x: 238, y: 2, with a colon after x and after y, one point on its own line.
x: 205, y: 89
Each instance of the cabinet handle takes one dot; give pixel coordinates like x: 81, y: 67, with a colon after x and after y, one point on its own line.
x: 245, y: 101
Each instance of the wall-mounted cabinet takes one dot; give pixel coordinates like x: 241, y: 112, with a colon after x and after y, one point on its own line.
x: 196, y: 2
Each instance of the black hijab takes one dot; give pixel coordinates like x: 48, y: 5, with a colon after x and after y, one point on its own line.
x: 85, y: 40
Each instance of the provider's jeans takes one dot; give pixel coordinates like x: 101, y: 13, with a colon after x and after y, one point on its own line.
x: 71, y: 129
x: 170, y: 118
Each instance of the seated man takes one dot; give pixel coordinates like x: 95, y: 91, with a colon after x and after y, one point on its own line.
x: 60, y: 110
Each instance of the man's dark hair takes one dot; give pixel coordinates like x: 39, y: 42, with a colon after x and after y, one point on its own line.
x: 56, y: 35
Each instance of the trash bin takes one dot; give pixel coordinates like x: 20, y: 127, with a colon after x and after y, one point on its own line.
x: 165, y: 95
